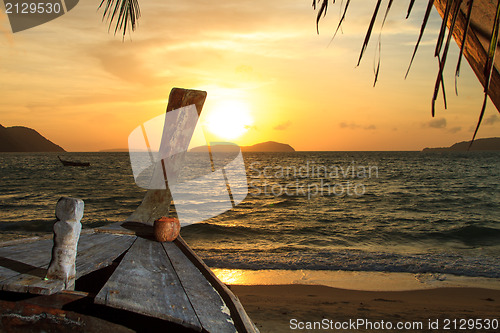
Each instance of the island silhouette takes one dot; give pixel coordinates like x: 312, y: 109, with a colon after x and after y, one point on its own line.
x: 269, y: 146
x: 486, y: 144
x: 25, y: 139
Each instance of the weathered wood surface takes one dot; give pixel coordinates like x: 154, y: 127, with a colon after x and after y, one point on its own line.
x: 101, y: 250
x: 145, y: 282
x: 22, y: 240
x: 24, y: 266
x: 129, y: 228
x: 477, y: 42
x: 20, y: 258
x: 210, y: 309
x: 115, y: 228
x: 156, y: 203
x: 240, y: 317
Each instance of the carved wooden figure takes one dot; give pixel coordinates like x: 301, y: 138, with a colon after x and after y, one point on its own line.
x: 69, y: 212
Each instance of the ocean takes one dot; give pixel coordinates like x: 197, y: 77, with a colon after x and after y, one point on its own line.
x: 409, y: 212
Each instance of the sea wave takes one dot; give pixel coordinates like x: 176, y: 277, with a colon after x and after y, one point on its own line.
x: 353, y: 260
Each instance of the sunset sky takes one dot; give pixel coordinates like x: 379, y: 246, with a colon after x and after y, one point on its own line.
x: 86, y: 89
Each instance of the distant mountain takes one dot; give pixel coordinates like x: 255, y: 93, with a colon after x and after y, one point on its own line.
x: 269, y: 146
x: 487, y: 144
x: 24, y: 139
x: 115, y: 150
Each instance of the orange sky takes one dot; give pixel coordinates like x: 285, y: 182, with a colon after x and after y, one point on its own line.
x: 86, y: 90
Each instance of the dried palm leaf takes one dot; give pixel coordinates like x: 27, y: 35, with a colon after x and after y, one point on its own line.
x: 342, y: 18
x: 126, y: 13
x: 422, y: 29
x: 442, y: 31
x: 369, y: 32
x: 442, y: 59
x: 322, y: 11
x: 410, y: 7
x: 464, y: 38
x: 379, y: 45
x: 490, y: 65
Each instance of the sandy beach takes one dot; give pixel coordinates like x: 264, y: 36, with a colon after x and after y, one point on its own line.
x: 281, y: 308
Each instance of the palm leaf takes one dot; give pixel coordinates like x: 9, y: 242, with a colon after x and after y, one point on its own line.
x: 490, y: 64
x: 341, y: 20
x: 376, y: 71
x: 464, y: 38
x: 369, y: 32
x: 442, y: 60
x: 422, y: 29
x: 442, y: 31
x: 126, y: 13
x: 323, y: 9
x: 434, y: 97
x: 410, y: 7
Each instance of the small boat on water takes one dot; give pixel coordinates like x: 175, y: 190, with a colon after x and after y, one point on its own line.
x: 73, y: 163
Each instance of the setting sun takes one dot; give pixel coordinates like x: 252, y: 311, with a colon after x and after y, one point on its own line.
x: 229, y: 119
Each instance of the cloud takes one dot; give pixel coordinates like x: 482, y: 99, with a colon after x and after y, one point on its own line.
x: 283, y: 126
x: 455, y: 129
x: 128, y: 62
x: 437, y: 123
x: 491, y: 120
x: 356, y: 126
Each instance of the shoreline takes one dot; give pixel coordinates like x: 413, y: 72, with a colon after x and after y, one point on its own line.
x: 295, y: 307
x: 354, y: 280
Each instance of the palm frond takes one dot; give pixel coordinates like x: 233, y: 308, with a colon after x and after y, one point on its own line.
x: 323, y: 9
x: 379, y: 53
x: 369, y: 32
x: 410, y: 7
x: 341, y: 19
x: 464, y: 38
x: 490, y: 65
x: 442, y: 59
x: 422, y: 29
x: 125, y: 12
x: 434, y: 97
x: 442, y: 31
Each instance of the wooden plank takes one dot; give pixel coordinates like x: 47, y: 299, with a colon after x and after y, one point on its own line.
x: 24, y: 266
x: 145, y: 282
x: 128, y: 228
x: 21, y: 241
x: 156, y: 203
x: 23, y: 251
x: 476, y: 52
x: 28, y: 265
x: 33, y: 283
x: 211, y: 310
x: 241, y: 319
x: 115, y: 228
x: 23, y: 258
x: 101, y: 251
